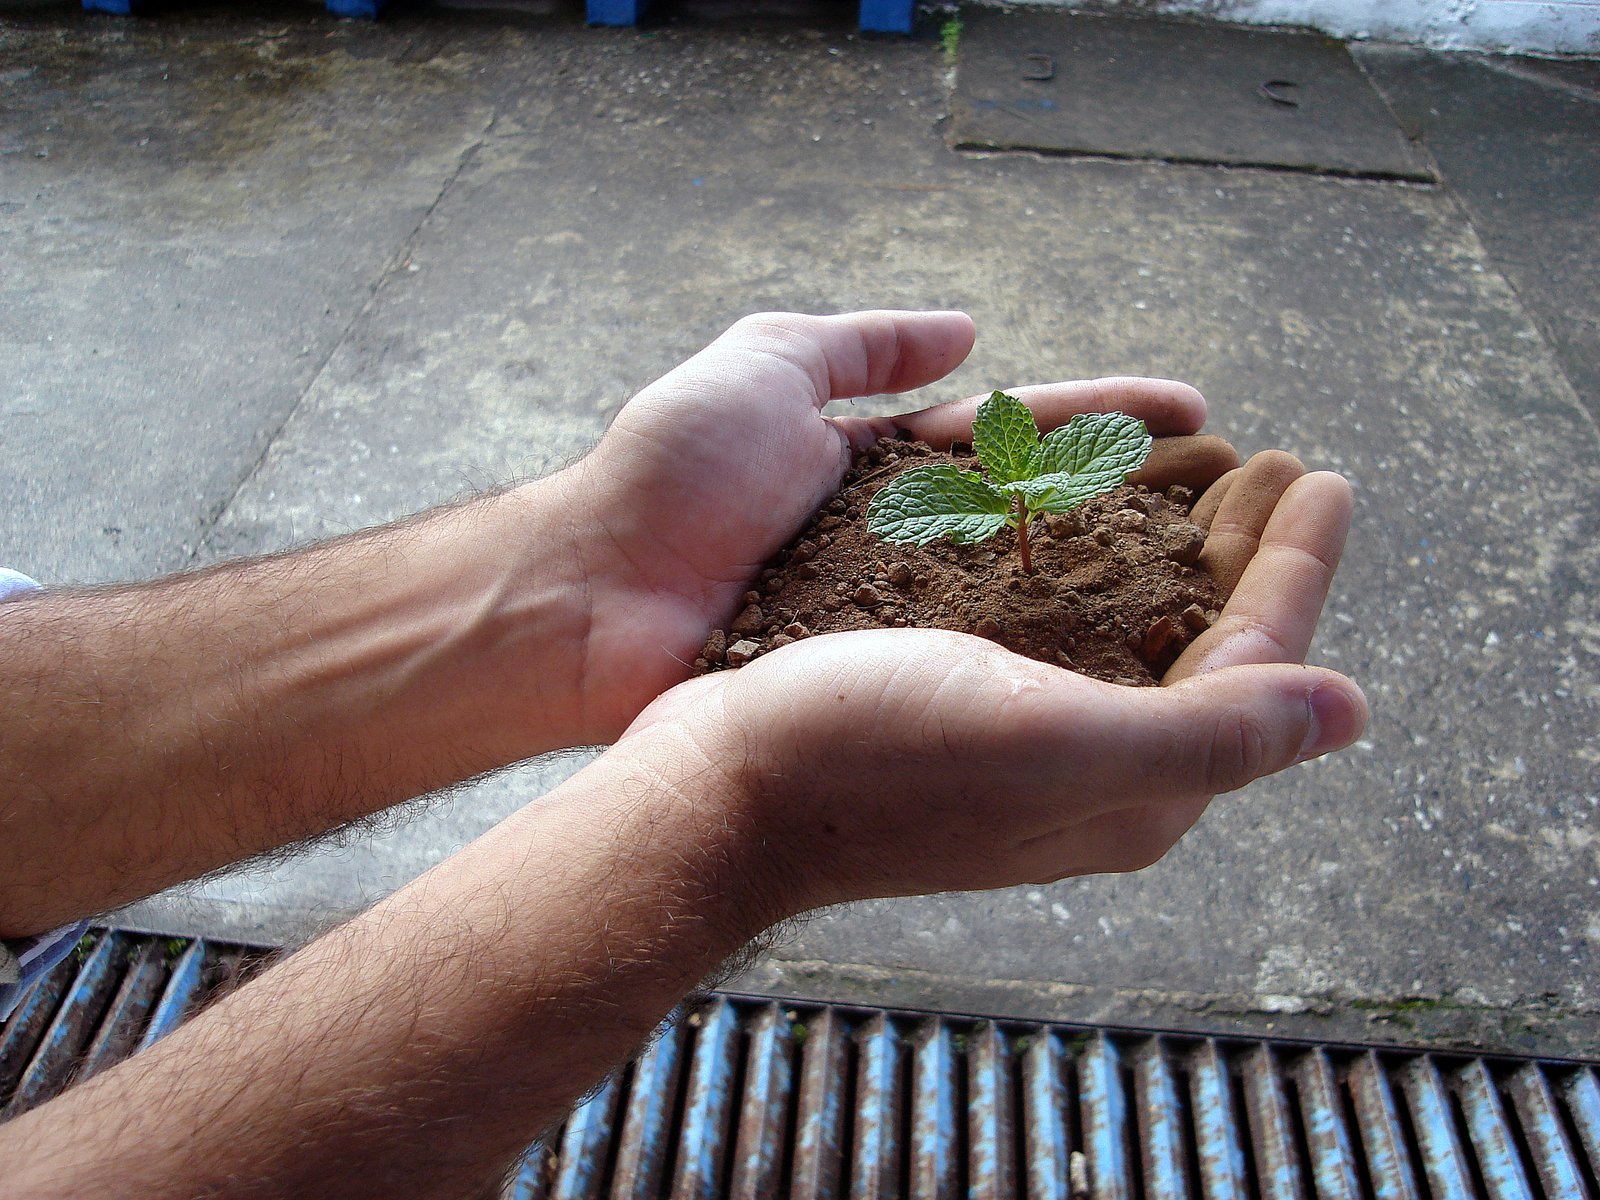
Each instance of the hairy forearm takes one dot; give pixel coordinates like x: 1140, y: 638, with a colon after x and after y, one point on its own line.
x: 153, y: 732
x: 418, y: 1049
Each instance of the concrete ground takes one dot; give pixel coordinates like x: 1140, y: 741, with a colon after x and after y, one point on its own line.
x: 265, y: 277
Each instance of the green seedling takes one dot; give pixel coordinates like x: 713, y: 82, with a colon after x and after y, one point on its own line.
x: 1026, y: 475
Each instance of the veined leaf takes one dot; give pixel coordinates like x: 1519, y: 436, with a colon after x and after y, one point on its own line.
x: 1107, y: 447
x: 1060, y: 492
x: 927, y: 503
x: 1006, y: 439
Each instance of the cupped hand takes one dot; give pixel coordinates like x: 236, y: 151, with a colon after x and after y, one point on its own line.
x: 907, y: 761
x: 708, y: 472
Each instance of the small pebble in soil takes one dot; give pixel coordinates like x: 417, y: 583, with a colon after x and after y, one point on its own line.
x: 751, y: 620
x: 742, y: 652
x: 716, y: 646
x: 796, y: 630
x: 900, y: 574
x: 987, y: 627
x: 867, y: 596
x: 1195, y: 618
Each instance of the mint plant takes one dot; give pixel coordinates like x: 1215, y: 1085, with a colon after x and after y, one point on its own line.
x: 1026, y: 475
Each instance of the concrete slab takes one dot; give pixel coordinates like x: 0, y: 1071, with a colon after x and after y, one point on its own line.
x: 634, y: 194
x: 1171, y: 90
x: 191, y: 213
x: 1518, y: 141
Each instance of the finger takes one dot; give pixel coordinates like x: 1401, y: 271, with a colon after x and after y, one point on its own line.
x: 1166, y: 407
x: 1205, y: 508
x: 838, y: 357
x: 1218, y: 731
x: 1235, y: 531
x: 1272, y: 614
x: 1195, y: 462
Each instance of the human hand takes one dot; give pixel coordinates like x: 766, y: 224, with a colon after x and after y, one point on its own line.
x: 908, y: 761
x: 707, y: 473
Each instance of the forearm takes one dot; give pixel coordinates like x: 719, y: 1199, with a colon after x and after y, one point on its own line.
x: 418, y: 1049
x: 153, y: 732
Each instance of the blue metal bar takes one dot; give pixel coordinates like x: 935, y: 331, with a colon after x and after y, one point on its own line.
x: 647, y: 1123
x: 532, y: 1180
x: 70, y: 1030
x: 1044, y: 1118
x: 1105, y: 1120
x: 703, y: 1144
x: 763, y: 1118
x: 1278, y: 1166
x: 875, y: 1156
x: 1443, y: 1162
x: 1161, y: 1123
x: 581, y: 1162
x: 179, y: 994
x: 28, y: 1021
x: 887, y: 16
x: 614, y: 12
x: 933, y: 1113
x: 140, y: 985
x: 1389, y: 1166
x: 1540, y: 1117
x: 1333, y: 1162
x: 1491, y: 1136
x: 819, y: 1113
x: 991, y: 1117
x: 1583, y: 1102
x: 1216, y: 1126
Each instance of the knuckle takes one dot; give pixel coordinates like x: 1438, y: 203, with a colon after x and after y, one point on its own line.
x: 1237, y: 752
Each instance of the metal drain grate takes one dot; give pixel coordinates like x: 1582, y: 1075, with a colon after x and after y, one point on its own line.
x: 753, y: 1098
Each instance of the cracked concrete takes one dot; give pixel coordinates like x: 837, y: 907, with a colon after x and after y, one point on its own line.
x: 354, y: 270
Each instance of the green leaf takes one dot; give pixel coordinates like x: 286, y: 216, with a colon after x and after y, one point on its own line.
x: 927, y: 503
x: 1060, y: 492
x: 1104, y: 446
x: 1006, y: 439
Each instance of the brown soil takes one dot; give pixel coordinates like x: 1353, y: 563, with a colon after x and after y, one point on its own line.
x: 1117, y: 590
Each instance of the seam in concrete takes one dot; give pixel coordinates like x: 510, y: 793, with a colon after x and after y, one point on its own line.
x: 976, y: 149
x: 1519, y: 72
x: 385, y: 273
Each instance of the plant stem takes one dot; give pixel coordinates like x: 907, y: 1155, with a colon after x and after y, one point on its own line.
x: 1022, y: 536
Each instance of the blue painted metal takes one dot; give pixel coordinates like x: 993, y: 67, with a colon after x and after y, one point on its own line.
x: 1443, y: 1162
x: 27, y: 1024
x: 819, y: 1111
x: 180, y: 993
x: 875, y: 1154
x: 1105, y: 1119
x: 360, y: 10
x: 1389, y: 1165
x: 647, y: 1123
x: 533, y: 1177
x: 1277, y: 1161
x: 933, y: 1112
x: 702, y: 1146
x: 1491, y: 1136
x: 764, y: 1108
x: 1161, y: 1122
x: 141, y: 984
x: 1582, y: 1094
x: 1216, y: 1126
x: 614, y: 12
x: 1333, y: 1161
x: 991, y: 1116
x: 1046, y: 1147
x: 117, y: 8
x: 1539, y: 1115
x: 581, y: 1161
x: 887, y: 16
x: 70, y: 1030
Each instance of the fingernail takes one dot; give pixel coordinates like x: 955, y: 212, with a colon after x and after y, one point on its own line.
x: 1336, y: 720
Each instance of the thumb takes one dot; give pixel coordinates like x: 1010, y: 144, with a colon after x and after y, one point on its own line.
x: 1217, y: 732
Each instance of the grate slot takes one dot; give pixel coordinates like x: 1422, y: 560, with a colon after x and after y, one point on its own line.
x: 73, y: 1026
x: 764, y: 1108
x: 1045, y: 1098
x: 581, y: 1162
x: 1333, y: 1164
x: 130, y: 1007
x: 179, y: 996
x: 875, y: 1165
x: 1539, y: 1114
x: 1444, y: 1164
x: 1582, y: 1094
x: 703, y: 1141
x: 1220, y: 1157
x: 1272, y: 1132
x: 820, y: 1108
x: 1161, y: 1123
x: 647, y: 1123
x: 991, y: 1115
x: 1104, y: 1107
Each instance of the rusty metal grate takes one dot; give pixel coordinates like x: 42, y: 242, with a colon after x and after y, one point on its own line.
x: 749, y: 1097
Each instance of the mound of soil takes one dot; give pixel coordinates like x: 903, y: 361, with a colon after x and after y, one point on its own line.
x: 1117, y: 590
